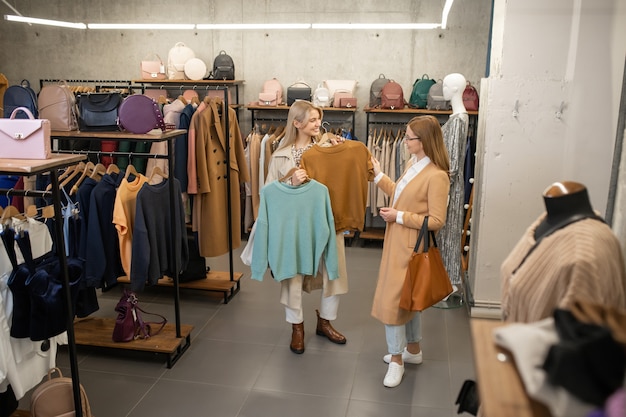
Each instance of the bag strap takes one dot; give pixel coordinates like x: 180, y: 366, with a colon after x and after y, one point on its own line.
x: 8, y: 239
x: 25, y: 110
x: 423, y: 231
x: 145, y: 325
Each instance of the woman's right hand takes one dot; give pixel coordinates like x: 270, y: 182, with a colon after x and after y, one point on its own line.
x: 376, y: 165
x: 299, y: 176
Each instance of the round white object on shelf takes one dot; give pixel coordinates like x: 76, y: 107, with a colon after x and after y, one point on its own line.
x: 195, y: 69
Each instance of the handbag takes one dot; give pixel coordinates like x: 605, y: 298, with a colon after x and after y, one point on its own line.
x: 55, y: 397
x: 24, y: 138
x: 129, y: 324
x: 298, y: 91
x: 98, y: 111
x: 140, y: 114
x: 426, y: 281
x: 153, y: 69
x: 340, y: 85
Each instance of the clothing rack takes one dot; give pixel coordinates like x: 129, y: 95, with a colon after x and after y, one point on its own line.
x: 182, y: 332
x: 98, y: 83
x: 34, y: 167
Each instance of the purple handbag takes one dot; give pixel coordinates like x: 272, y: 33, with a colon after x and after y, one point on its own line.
x: 129, y: 324
x: 140, y: 114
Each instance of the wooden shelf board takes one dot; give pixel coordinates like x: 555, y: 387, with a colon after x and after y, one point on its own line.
x: 214, y: 281
x: 372, y: 234
x: 97, y: 331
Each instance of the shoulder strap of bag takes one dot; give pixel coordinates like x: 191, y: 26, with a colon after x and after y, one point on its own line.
x: 145, y: 326
x: 423, y: 232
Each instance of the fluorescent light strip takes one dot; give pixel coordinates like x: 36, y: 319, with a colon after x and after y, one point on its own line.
x: 245, y: 26
x: 444, y: 14
x: 35, y: 21
x: 165, y: 26
x: 382, y: 26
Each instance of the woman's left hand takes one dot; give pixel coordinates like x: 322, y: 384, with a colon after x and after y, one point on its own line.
x: 388, y: 214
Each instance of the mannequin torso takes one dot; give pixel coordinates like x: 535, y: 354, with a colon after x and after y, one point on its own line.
x: 565, y: 202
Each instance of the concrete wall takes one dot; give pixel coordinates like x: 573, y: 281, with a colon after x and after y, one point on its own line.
x: 311, y: 55
x: 572, y: 59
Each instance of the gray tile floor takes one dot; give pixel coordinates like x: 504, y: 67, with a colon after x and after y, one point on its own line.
x: 239, y: 363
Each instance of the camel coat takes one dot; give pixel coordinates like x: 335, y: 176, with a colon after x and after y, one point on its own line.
x: 426, y: 194
x: 211, y: 203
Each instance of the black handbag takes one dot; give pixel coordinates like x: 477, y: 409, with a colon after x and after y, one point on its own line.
x: 98, y: 111
x: 298, y: 91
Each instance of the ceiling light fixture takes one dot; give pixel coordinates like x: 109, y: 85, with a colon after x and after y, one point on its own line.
x: 247, y: 26
x: 382, y: 26
x: 444, y: 14
x: 47, y: 22
x: 166, y: 26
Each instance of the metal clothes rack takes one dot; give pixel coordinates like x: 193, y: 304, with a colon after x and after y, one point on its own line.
x: 182, y: 332
x: 328, y: 111
x: 32, y: 167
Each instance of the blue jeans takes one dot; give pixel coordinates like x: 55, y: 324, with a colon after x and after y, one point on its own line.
x: 398, y: 336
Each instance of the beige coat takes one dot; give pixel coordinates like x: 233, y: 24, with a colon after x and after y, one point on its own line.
x: 211, y: 203
x: 426, y: 194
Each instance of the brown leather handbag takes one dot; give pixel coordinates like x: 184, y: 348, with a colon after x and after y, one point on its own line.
x: 426, y: 282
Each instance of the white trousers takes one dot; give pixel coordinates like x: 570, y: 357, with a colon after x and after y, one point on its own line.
x: 328, y: 310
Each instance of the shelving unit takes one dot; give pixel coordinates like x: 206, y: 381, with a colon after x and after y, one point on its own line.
x: 200, y: 86
x: 398, y: 118
x: 28, y: 167
x: 334, y: 115
x: 97, y: 332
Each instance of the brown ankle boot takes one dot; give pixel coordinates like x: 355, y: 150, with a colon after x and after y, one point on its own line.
x: 297, y: 338
x: 324, y: 328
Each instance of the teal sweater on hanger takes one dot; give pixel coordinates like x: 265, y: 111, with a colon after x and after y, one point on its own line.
x: 294, y: 229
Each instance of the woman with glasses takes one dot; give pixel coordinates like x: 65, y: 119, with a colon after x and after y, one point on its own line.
x: 421, y: 191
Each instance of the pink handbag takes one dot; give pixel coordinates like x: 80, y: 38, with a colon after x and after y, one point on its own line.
x: 24, y: 138
x: 140, y: 114
x: 153, y: 69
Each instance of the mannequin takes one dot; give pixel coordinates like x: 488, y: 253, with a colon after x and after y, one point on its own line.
x: 567, y: 254
x: 565, y: 202
x: 455, y: 138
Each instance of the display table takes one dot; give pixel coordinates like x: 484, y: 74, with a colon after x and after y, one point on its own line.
x: 502, y: 392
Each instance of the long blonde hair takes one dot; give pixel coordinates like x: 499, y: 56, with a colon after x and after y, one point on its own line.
x: 300, y: 110
x: 427, y: 128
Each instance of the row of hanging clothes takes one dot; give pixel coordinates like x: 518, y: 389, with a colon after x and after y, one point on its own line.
x: 386, y: 145
x: 260, y: 143
x: 33, y: 313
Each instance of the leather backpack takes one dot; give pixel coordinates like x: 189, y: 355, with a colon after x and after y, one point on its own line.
x: 223, y: 67
x: 272, y: 93
x: 392, y: 96
x: 20, y: 96
x: 376, y: 89
x: 55, y: 397
x: 57, y: 103
x: 435, y: 99
x: 419, y: 94
x: 470, y: 98
x: 177, y: 57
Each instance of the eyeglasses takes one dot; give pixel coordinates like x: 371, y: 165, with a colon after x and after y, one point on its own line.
x: 407, y: 137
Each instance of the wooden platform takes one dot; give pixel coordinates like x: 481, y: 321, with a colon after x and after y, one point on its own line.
x: 97, y: 332
x: 218, y: 281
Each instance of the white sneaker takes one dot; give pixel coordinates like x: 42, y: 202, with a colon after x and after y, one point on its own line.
x: 394, y: 375
x: 407, y: 357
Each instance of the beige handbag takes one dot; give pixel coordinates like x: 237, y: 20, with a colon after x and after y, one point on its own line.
x: 153, y: 69
x: 55, y: 398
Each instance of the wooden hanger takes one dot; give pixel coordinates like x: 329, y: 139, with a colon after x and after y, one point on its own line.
x: 98, y: 171
x: 182, y: 99
x: 157, y: 171
x: 290, y: 173
x: 162, y: 100
x: 195, y: 100
x: 113, y: 169
x: 47, y: 212
x: 130, y: 169
x: 31, y: 211
x: 77, y: 170
x: 10, y: 212
x: 89, y: 166
x: 63, y: 178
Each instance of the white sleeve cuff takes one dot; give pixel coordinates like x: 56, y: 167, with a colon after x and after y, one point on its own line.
x: 399, y: 217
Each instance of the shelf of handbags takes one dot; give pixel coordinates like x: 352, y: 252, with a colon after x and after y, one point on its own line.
x: 191, y: 88
x: 336, y: 116
x: 30, y: 167
x: 173, y: 340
